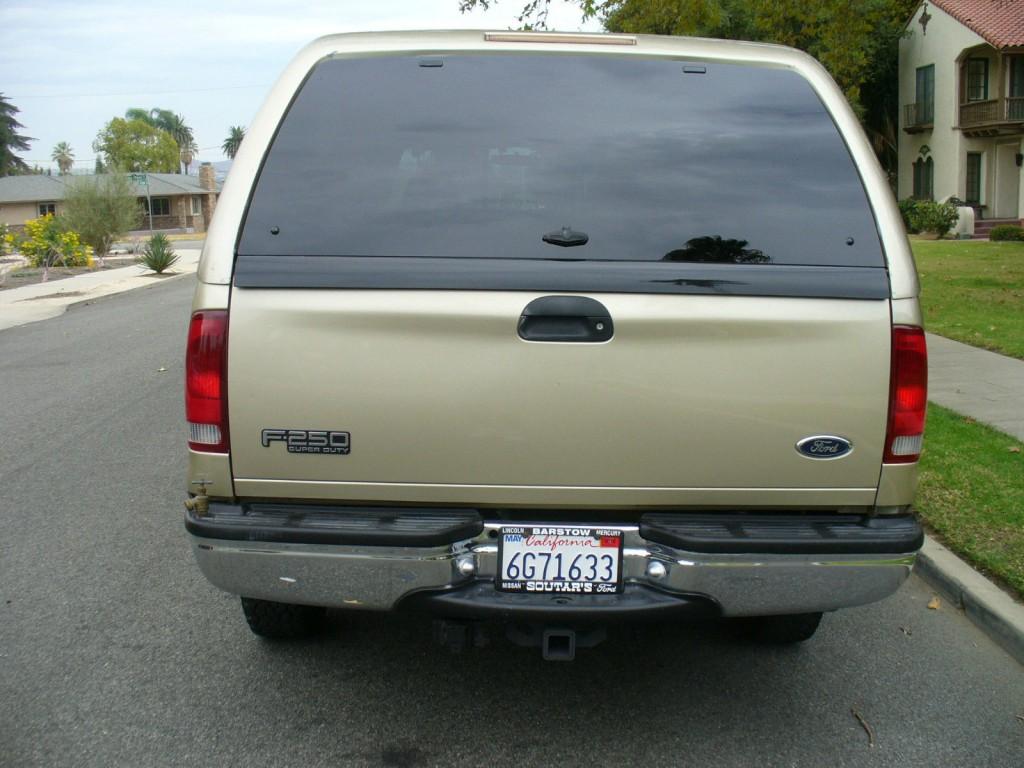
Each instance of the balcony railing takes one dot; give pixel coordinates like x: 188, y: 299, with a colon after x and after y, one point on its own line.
x: 1015, y: 109
x: 917, y: 117
x: 992, y: 112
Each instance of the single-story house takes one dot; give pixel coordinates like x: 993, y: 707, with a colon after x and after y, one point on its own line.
x: 961, y: 83
x: 177, y: 200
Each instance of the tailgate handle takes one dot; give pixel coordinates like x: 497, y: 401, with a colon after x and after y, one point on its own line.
x: 565, y: 318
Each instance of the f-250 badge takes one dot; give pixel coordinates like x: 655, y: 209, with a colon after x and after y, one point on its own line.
x: 309, y: 440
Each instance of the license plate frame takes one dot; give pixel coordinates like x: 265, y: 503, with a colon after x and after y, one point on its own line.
x: 564, y: 540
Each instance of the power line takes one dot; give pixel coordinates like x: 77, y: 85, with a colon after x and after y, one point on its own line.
x: 134, y: 93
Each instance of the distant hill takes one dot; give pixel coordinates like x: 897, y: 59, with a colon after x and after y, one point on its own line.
x: 221, y: 168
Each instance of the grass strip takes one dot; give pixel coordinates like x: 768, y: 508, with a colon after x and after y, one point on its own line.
x: 973, y: 291
x: 971, y: 493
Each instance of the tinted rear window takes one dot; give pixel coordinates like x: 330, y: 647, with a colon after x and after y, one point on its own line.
x: 486, y: 155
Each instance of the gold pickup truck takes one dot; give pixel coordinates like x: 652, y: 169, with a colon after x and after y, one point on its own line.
x: 555, y: 330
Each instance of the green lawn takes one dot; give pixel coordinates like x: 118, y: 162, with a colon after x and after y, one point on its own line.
x: 973, y: 291
x: 971, y: 493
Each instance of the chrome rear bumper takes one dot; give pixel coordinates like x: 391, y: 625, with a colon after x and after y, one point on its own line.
x: 380, y: 577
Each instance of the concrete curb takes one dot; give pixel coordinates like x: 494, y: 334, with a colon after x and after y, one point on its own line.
x: 100, y: 296
x: 987, y: 606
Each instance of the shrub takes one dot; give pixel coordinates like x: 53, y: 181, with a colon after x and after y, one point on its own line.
x: 6, y: 240
x: 47, y: 242
x: 908, y: 210
x: 1007, y: 232
x: 158, y: 254
x: 937, y: 218
x: 101, y: 209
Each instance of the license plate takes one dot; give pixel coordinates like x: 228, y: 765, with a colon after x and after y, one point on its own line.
x: 575, y: 560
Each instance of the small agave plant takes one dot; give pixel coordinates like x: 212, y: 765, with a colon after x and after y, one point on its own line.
x: 157, y: 254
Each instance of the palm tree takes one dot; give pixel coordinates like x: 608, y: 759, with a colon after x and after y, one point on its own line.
x: 172, y: 123
x: 176, y: 126
x: 188, y: 154
x: 145, y: 115
x: 233, y: 141
x: 64, y: 156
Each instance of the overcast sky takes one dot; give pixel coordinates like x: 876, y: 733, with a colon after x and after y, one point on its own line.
x: 71, y: 66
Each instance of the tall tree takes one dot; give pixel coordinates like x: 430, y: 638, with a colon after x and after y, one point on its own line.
x: 145, y: 115
x: 187, y: 153
x: 64, y: 156
x: 233, y: 141
x: 11, y: 140
x: 134, y: 145
x: 730, y: 19
x: 173, y: 123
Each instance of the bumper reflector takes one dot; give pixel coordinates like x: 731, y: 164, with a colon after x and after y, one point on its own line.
x: 907, y: 445
x: 205, y: 434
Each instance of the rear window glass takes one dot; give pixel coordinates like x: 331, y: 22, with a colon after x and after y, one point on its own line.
x: 560, y: 157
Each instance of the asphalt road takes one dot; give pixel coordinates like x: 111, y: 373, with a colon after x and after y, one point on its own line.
x: 114, y: 651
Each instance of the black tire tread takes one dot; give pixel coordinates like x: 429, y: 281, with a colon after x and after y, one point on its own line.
x: 784, y: 630
x: 280, y: 621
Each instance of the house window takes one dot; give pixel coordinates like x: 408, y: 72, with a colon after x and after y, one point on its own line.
x: 197, y: 205
x: 1015, y: 107
x: 47, y: 208
x: 1017, y: 76
x: 924, y: 174
x: 977, y: 79
x: 925, y: 95
x: 973, y: 178
x: 161, y: 206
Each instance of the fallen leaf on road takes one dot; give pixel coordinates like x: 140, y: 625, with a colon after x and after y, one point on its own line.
x: 864, y: 724
x: 161, y: 369
x: 1021, y: 718
x: 934, y: 603
x: 906, y: 631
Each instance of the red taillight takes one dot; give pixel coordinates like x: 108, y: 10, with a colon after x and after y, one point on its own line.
x: 908, y: 395
x: 206, y: 383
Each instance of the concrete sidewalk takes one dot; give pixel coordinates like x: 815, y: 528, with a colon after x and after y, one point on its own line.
x: 984, y: 385
x: 32, y: 303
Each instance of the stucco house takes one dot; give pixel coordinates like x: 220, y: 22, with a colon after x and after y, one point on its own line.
x: 962, y: 90
x: 178, y: 201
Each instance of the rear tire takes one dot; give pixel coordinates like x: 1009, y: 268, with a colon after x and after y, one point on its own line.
x: 784, y: 630
x: 281, y: 621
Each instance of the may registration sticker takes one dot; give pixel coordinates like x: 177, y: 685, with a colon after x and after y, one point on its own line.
x: 559, y: 559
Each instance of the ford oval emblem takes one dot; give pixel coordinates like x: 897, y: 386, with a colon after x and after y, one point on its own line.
x: 824, y: 447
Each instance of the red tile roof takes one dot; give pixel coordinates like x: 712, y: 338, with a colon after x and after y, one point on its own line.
x: 1000, y: 22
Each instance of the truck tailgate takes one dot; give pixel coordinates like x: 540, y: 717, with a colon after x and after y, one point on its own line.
x: 694, y: 400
